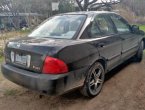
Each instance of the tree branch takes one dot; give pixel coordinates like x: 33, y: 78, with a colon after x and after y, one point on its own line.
x: 81, y: 1
x: 92, y: 2
x: 106, y: 4
x: 79, y: 4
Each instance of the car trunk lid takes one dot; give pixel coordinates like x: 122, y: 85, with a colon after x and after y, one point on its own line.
x: 29, y: 53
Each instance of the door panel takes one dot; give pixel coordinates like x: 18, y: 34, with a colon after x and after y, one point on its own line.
x: 109, y: 45
x: 105, y: 40
x: 129, y: 40
x: 129, y: 45
x: 111, y: 50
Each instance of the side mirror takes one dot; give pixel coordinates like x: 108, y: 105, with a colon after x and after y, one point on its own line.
x: 135, y: 29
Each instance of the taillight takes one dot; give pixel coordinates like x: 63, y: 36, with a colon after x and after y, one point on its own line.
x: 54, y: 66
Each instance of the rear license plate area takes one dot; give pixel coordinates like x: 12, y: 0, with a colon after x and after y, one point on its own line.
x: 20, y: 59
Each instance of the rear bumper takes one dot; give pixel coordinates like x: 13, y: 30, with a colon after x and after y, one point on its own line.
x: 48, y: 84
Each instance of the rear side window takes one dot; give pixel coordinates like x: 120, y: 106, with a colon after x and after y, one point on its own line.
x: 101, y: 26
x: 120, y: 23
x: 94, y: 30
x: 105, y: 26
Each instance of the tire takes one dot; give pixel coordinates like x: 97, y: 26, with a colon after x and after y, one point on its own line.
x: 94, y: 81
x: 139, y: 54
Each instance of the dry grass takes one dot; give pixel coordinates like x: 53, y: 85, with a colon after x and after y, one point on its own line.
x: 13, y: 34
x: 10, y: 92
x: 1, y: 77
x: 5, y: 36
x: 1, y: 61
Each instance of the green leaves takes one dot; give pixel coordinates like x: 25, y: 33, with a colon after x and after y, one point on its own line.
x: 66, y: 6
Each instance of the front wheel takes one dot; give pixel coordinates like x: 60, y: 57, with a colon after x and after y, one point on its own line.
x: 139, y: 55
x: 94, y: 80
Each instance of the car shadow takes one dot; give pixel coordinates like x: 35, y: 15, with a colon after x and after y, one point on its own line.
x: 115, y: 71
x: 73, y: 95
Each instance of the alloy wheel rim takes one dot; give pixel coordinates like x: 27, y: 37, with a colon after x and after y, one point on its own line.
x: 96, y: 80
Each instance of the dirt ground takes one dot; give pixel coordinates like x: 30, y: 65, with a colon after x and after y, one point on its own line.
x: 124, y: 89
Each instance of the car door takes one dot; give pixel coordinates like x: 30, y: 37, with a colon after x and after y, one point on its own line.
x: 129, y: 40
x: 105, y: 40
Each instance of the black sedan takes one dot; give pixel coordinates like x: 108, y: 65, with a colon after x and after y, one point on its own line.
x: 72, y: 50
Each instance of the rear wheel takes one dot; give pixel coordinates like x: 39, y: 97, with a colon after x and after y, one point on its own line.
x: 94, y: 80
x: 139, y: 55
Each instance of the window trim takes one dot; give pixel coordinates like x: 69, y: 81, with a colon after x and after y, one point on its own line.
x: 94, y: 21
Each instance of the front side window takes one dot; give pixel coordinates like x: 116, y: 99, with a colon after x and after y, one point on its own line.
x: 121, y: 25
x: 61, y: 27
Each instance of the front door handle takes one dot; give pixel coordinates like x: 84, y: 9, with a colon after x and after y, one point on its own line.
x: 101, y: 44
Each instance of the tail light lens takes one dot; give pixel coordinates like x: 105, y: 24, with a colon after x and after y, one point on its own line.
x: 54, y: 66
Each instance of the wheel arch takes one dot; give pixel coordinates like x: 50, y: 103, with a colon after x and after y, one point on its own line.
x: 103, y: 61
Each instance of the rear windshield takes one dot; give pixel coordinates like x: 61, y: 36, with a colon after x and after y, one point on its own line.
x: 61, y: 27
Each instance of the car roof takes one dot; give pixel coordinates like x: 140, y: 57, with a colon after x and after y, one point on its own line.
x: 89, y: 13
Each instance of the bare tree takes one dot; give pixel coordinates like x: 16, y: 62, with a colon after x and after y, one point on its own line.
x: 8, y: 7
x: 105, y: 4
x: 94, y: 4
x: 137, y: 6
x: 84, y: 4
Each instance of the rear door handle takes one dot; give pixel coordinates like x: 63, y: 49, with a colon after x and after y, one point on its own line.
x: 122, y: 38
x: 101, y: 45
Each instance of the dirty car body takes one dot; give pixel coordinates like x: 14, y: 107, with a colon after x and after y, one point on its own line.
x: 90, y: 37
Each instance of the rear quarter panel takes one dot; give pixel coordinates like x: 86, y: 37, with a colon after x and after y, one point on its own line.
x: 79, y: 55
